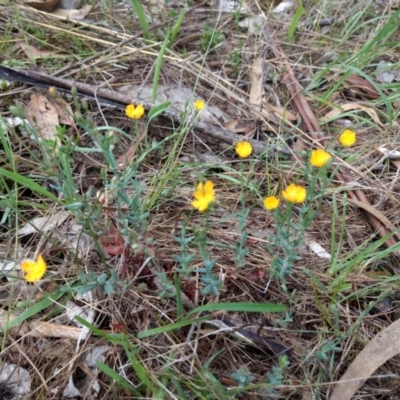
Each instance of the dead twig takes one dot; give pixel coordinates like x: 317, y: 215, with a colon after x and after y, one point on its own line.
x: 121, y: 100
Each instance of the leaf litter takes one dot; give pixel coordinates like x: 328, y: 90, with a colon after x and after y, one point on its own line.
x: 237, y: 100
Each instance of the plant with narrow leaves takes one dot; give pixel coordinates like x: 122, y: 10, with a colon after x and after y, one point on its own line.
x: 241, y: 248
x: 184, y: 259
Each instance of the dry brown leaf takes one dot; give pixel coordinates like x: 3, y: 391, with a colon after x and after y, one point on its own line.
x: 64, y: 110
x: 384, y: 346
x: 43, y: 115
x: 352, y: 106
x: 358, y: 84
x: 33, y: 53
x: 363, y: 85
x: 46, y: 6
x: 74, y: 14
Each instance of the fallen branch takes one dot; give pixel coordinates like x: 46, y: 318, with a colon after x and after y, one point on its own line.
x: 121, y: 100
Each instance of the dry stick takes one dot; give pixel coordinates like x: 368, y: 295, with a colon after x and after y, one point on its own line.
x: 121, y: 100
x: 39, y: 328
x: 312, y: 125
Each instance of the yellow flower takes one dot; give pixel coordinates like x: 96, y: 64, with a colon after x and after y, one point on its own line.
x: 134, y: 112
x: 204, y: 196
x: 243, y: 149
x: 347, y: 138
x: 271, y: 202
x: 199, y: 104
x: 319, y: 158
x: 294, y: 193
x: 34, y: 270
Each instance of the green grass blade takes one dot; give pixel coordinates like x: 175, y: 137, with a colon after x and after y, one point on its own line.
x: 157, y: 70
x: 32, y: 311
x: 118, y: 378
x: 240, y: 307
x: 157, y: 110
x: 293, y: 25
x: 137, y: 366
x: 176, y: 27
x: 179, y: 388
x: 244, y: 307
x: 179, y: 304
x: 115, y: 338
x: 29, y: 183
x: 137, y: 5
x: 170, y: 327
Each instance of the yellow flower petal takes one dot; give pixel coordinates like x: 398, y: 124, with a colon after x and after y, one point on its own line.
x: 271, y: 202
x: 199, y: 104
x: 34, y: 270
x: 347, y: 138
x: 294, y: 193
x: 201, y: 204
x: 243, y: 149
x: 209, y: 188
x: 129, y: 110
x: 319, y: 158
x: 204, y: 196
x: 134, y: 112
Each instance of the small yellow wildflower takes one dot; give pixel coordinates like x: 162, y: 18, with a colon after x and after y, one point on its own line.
x: 319, y: 158
x: 199, y: 104
x: 34, y: 270
x: 134, y: 112
x: 347, y: 138
x: 271, y: 203
x: 294, y: 193
x: 204, y: 196
x: 243, y: 149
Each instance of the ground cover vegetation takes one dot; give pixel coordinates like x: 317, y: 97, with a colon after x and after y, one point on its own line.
x: 218, y: 218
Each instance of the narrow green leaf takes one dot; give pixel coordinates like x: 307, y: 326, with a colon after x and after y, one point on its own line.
x: 157, y: 110
x: 29, y: 183
x: 243, y: 307
x: 157, y: 70
x: 115, y: 338
x: 118, y: 378
x: 35, y: 309
x: 179, y: 304
x: 176, y: 27
x: 179, y: 388
x: 170, y: 327
x: 138, y: 367
x: 293, y: 25
x: 137, y: 5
